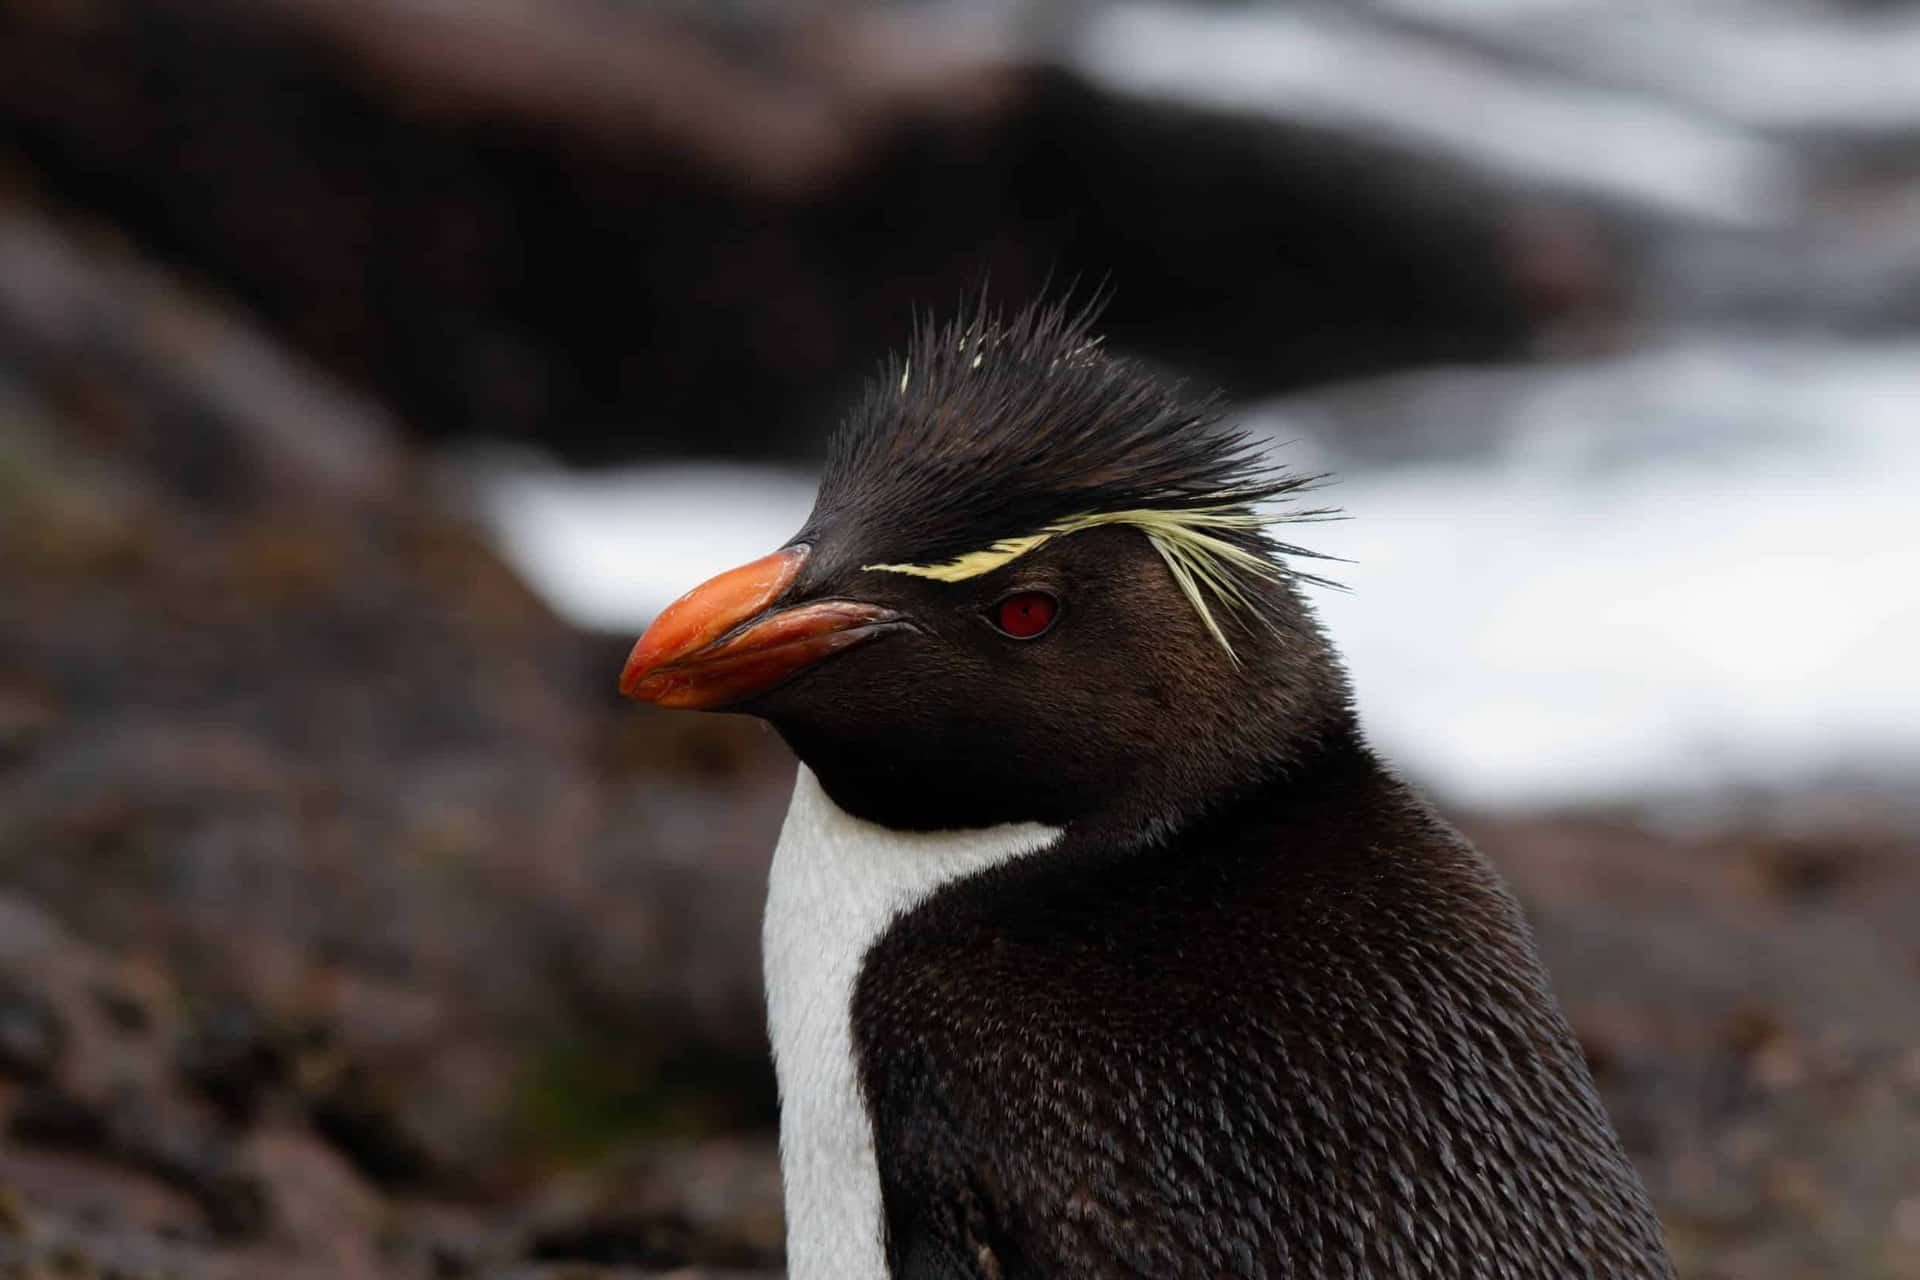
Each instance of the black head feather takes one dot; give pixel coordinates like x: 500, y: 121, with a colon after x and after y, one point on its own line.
x: 992, y: 428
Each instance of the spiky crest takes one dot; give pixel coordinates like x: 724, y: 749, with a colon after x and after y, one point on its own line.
x: 992, y: 436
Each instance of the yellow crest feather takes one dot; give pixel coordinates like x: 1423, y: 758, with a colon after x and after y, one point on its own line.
x: 1202, y: 563
x: 970, y: 565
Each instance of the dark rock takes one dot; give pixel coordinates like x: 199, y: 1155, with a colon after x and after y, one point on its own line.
x: 713, y: 1203
x: 740, y: 234
x: 31, y: 1036
x: 172, y: 1147
x: 232, y: 1059
x: 633, y: 1242
x: 75, y: 1187
x: 48, y: 1117
x: 27, y: 715
x: 372, y: 1132
x: 124, y: 1008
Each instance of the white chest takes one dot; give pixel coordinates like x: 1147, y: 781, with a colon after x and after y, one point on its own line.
x: 837, y: 882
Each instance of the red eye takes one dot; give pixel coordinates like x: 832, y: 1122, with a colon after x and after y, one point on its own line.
x: 1025, y: 615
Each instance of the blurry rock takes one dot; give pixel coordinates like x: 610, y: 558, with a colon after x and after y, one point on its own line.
x: 151, y: 1135
x: 27, y: 933
x: 232, y: 1059
x: 52, y: 1118
x: 373, y: 1131
x: 68, y: 1187
x: 321, y: 1209
x: 577, y: 1271
x: 125, y: 1005
x: 714, y: 1203
x: 128, y: 349
x: 30, y: 1034
x: 752, y: 212
x: 26, y: 716
x: 14, y: 1220
x: 101, y: 1091
x: 350, y: 817
x: 1811, y: 866
x: 62, y: 1033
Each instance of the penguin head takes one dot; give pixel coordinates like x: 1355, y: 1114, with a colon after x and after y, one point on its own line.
x: 1036, y: 579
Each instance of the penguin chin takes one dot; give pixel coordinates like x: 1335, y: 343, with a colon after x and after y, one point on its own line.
x: 927, y: 764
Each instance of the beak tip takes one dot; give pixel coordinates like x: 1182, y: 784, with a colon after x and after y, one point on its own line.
x: 633, y: 676
x: 699, y: 618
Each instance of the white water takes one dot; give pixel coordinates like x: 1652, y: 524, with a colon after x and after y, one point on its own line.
x: 1337, y: 67
x: 1692, y: 567
x: 1774, y: 66
x: 1696, y: 567
x: 612, y: 548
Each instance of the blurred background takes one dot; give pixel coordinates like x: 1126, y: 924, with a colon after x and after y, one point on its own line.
x: 371, y: 371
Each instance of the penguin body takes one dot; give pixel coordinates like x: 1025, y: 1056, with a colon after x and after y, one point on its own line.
x: 1098, y: 943
x: 1256, y: 1050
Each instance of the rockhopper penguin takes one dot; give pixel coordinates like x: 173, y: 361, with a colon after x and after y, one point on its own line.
x: 1098, y: 944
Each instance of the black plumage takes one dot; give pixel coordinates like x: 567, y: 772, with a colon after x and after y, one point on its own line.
x: 1307, y: 1037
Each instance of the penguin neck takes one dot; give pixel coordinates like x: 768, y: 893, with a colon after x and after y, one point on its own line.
x: 836, y: 884
x: 1232, y: 745
x: 1298, y: 768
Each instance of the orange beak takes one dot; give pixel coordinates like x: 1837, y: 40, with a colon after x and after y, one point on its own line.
x: 717, y: 644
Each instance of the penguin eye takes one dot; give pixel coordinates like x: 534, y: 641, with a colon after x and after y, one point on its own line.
x: 1025, y: 615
